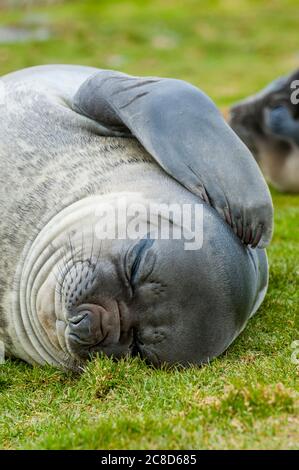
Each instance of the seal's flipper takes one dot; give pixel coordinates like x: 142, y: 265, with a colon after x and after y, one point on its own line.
x: 185, y: 133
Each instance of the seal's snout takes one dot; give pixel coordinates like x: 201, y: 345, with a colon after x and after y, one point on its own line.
x: 97, y: 328
x: 92, y: 325
x: 85, y: 327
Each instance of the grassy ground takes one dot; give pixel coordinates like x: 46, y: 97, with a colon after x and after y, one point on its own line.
x: 249, y: 397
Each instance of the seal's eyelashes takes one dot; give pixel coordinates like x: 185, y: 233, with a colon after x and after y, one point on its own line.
x: 134, y: 259
x: 135, y: 266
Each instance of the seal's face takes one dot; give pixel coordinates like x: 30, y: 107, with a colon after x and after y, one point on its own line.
x: 135, y: 302
x: 120, y: 297
x: 153, y: 298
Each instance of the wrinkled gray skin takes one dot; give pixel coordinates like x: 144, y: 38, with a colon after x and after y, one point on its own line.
x: 268, y: 123
x: 66, y: 142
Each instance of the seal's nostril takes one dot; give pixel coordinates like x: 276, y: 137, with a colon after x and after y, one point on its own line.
x: 85, y: 326
x: 82, y: 326
x: 78, y: 318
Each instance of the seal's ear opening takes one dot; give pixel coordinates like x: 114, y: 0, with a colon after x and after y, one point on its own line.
x: 187, y: 136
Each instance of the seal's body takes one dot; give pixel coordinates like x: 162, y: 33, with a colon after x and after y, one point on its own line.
x: 63, y: 293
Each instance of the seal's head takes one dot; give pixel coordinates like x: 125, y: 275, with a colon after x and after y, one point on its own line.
x: 152, y: 297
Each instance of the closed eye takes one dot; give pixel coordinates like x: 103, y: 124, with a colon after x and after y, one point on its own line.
x: 137, y: 254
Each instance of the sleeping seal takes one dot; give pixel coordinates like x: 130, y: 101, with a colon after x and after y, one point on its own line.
x: 268, y: 123
x: 72, y: 137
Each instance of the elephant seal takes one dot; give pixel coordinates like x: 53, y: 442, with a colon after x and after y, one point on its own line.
x: 268, y: 123
x: 72, y: 137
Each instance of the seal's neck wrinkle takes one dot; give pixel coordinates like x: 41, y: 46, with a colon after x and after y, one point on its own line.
x: 39, y: 310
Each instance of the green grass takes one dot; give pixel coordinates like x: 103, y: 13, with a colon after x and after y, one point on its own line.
x: 249, y: 397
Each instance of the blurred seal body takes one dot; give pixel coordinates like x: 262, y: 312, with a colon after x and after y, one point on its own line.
x: 268, y: 123
x: 73, y: 137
